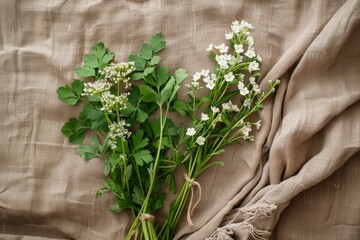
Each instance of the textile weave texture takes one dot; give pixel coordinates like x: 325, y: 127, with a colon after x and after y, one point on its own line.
x: 298, y: 180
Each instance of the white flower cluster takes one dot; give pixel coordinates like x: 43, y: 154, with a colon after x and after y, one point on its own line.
x: 246, y: 129
x: 229, y: 106
x: 111, y: 102
x: 199, y: 140
x: 118, y: 130
x: 119, y: 72
x: 239, y: 36
x: 96, y: 88
x: 207, y: 78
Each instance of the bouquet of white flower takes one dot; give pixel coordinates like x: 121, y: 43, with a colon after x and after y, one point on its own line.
x: 126, y: 108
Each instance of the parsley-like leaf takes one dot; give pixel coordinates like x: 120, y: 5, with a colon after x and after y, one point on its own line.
x: 148, y: 94
x: 154, y: 60
x: 157, y: 42
x: 142, y: 156
x: 146, y: 52
x: 85, y: 71
x: 139, y: 62
x: 99, y: 50
x: 89, y: 151
x: 70, y: 95
x: 74, y: 130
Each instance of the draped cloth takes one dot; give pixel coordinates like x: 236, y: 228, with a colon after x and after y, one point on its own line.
x: 298, y: 180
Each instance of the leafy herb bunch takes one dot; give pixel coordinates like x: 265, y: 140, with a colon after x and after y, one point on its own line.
x: 130, y: 128
x: 117, y: 115
x: 219, y: 118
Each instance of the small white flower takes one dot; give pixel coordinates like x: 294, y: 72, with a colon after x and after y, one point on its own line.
x: 215, y: 109
x: 239, y: 48
x: 240, y: 85
x: 190, y: 132
x: 196, y: 76
x: 210, y: 85
x: 258, y: 125
x: 222, y: 48
x: 247, y: 103
x: 226, y: 106
x: 204, y: 72
x: 246, y: 24
x: 200, y: 140
x: 250, y: 40
x: 206, y: 79
x: 210, y: 48
x: 253, y: 66
x: 252, y: 80
x: 204, y: 117
x: 213, y: 76
x: 229, y: 36
x: 250, y: 52
x: 256, y: 88
x: 246, y: 130
x: 244, y: 91
x: 235, y: 108
x: 259, y: 58
x: 229, y: 77
x: 232, y: 61
x: 235, y: 27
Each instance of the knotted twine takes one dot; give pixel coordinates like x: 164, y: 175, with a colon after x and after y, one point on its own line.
x: 143, y: 217
x: 146, y: 216
x: 192, y: 206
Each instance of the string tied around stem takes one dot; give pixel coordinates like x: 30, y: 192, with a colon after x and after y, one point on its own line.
x: 192, y: 206
x: 146, y: 216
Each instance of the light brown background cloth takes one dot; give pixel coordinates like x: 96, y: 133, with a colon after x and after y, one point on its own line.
x: 310, y: 130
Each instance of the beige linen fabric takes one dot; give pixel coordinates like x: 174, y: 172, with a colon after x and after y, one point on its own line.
x: 311, y: 126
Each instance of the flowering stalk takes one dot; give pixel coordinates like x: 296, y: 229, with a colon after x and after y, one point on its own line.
x: 222, y: 122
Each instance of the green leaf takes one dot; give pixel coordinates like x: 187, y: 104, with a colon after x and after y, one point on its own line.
x: 139, y: 62
x: 168, y: 90
x: 141, y: 116
x: 155, y: 127
x: 136, y: 76
x: 135, y: 95
x: 85, y: 71
x: 107, y: 167
x: 138, y: 196
x: 66, y: 94
x: 148, y: 94
x: 142, y: 156
x: 162, y: 76
x: 180, y: 75
x: 107, y: 58
x: 99, y: 50
x: 181, y: 107
x: 170, y: 180
x: 77, y: 87
x: 101, y: 191
x: 116, y: 159
x: 138, y: 141
x: 74, y: 130
x: 146, y: 52
x: 96, y: 117
x: 154, y: 60
x: 157, y: 42
x: 158, y: 201
x: 148, y: 70
x: 150, y: 80
x: 91, y: 61
x: 130, y: 109
x: 89, y: 151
